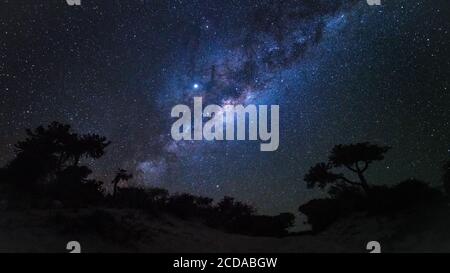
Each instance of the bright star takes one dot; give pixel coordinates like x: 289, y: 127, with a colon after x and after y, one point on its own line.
x: 196, y: 85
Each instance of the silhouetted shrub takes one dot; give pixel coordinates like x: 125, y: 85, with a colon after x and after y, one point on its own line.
x: 321, y: 212
x: 232, y: 215
x: 130, y: 197
x: 406, y: 195
x: 237, y: 217
x: 229, y: 206
x: 187, y: 205
x: 73, y: 189
x: 413, y: 192
x: 344, y: 200
x: 263, y: 225
x: 382, y: 200
x: 158, y: 197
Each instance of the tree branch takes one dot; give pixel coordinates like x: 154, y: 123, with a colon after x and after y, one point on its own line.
x: 349, y: 181
x: 350, y: 168
x: 366, y: 165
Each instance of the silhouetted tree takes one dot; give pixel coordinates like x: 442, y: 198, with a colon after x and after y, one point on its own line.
x: 59, y: 141
x: 321, y: 175
x: 89, y: 145
x: 50, y: 155
x: 39, y: 156
x: 121, y: 175
x: 354, y: 157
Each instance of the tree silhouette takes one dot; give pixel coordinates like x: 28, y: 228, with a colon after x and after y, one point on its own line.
x: 354, y: 157
x: 58, y: 140
x: 321, y: 175
x: 121, y: 175
x: 89, y: 145
x: 50, y: 155
x: 41, y: 154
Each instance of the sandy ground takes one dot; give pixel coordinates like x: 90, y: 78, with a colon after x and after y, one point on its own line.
x: 132, y: 231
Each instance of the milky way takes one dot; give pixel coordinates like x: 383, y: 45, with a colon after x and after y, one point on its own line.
x: 341, y: 71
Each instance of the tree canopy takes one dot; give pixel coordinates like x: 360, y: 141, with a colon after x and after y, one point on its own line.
x: 356, y: 158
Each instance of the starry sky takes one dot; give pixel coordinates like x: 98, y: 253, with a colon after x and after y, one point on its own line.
x: 342, y: 72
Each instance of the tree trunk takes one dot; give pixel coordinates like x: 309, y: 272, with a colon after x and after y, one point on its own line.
x: 76, y: 160
x: 364, y: 183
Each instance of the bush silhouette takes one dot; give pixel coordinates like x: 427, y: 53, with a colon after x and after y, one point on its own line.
x: 321, y: 212
x: 158, y: 197
x: 407, y: 195
x: 73, y: 187
x: 130, y: 197
x: 186, y: 205
x: 232, y: 215
x: 413, y: 192
x: 263, y: 225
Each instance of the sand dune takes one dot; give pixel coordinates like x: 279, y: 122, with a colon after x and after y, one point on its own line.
x: 108, y: 230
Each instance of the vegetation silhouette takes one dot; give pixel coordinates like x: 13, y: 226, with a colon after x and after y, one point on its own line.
x: 121, y: 175
x: 47, y: 166
x: 346, y: 196
x: 47, y: 172
x: 356, y: 158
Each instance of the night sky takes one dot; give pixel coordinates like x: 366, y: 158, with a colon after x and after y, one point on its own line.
x: 341, y: 71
